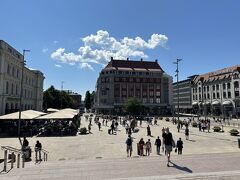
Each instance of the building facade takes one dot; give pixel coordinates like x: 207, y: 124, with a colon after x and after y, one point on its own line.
x: 217, y: 93
x: 185, y: 95
x: 124, y: 79
x: 11, y: 63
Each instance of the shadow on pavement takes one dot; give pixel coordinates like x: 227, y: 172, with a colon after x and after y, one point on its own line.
x: 186, y: 169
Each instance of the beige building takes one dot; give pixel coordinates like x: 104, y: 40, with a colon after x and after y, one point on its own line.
x: 11, y: 62
x: 217, y: 92
x: 143, y: 80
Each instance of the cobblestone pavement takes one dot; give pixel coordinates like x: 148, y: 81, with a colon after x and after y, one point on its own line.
x: 204, y: 166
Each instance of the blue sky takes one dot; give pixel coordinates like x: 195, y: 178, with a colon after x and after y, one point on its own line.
x: 205, y: 34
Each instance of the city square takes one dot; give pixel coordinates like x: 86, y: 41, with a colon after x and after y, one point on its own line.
x: 123, y: 90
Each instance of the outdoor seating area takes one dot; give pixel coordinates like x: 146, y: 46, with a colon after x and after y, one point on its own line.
x: 34, y: 123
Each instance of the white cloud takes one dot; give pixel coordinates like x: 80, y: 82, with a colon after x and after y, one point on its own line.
x: 85, y: 66
x: 55, y: 42
x: 58, y: 65
x: 99, y: 48
x: 44, y: 50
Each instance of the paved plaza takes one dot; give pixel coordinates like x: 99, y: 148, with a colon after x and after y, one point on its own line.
x: 100, y: 144
x: 103, y: 156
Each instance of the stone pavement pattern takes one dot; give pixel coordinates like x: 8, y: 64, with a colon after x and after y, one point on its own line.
x: 206, y: 166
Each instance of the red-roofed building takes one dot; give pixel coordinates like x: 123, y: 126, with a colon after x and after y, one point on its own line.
x: 143, y: 80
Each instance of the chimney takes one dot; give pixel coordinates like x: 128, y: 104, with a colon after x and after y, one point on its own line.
x: 127, y: 59
x: 141, y: 59
x: 156, y: 60
x: 111, y: 58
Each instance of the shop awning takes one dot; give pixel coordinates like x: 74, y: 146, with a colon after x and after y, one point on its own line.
x: 29, y: 114
x: 206, y: 103
x: 195, y: 103
x: 227, y: 103
x: 215, y: 103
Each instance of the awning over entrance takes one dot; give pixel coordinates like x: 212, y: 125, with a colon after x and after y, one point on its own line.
x: 206, y: 103
x: 227, y: 103
x: 215, y: 103
x: 195, y: 103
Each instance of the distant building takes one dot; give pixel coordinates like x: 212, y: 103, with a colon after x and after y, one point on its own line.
x: 143, y: 80
x: 185, y: 95
x: 217, y: 92
x: 11, y: 62
x: 77, y: 99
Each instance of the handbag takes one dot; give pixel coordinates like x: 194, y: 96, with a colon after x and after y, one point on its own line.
x: 175, y: 150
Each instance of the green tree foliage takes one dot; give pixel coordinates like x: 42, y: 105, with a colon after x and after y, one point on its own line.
x: 53, y: 98
x: 133, y: 107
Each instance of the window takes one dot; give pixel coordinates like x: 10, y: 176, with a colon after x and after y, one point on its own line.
x: 158, y: 100
x: 158, y: 93
x: 236, y: 84
x: 236, y: 93
x: 228, y: 85
x: 217, y: 87
x: 199, y: 89
x: 16, y: 92
x: 13, y: 71
x: 218, y: 96
x: 193, y: 97
x: 207, y: 88
x: 224, y: 95
x: 224, y: 86
x: 213, y: 87
x: 214, y: 96
x: 12, y: 89
x: 144, y: 100
x: 8, y: 69
x: 151, y: 93
x: 229, y: 94
x: 208, y: 96
x: 7, y: 87
x: 151, y: 100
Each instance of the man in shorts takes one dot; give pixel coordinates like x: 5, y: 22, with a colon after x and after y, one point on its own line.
x: 168, y: 142
x: 129, y: 146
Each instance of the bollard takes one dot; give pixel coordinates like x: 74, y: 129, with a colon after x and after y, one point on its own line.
x: 18, y: 161
x: 23, y: 160
x: 5, y: 161
x: 46, y: 156
x: 12, y: 159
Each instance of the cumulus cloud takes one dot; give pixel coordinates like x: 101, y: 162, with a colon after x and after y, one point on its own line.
x: 55, y: 42
x: 58, y: 65
x: 85, y: 66
x: 44, y: 50
x: 100, y: 47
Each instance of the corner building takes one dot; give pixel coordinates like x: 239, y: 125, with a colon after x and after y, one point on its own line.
x: 143, y: 80
x: 217, y: 93
x: 11, y: 63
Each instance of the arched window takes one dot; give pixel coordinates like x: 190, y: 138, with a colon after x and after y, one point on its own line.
x: 12, y: 107
x: 16, y: 107
x: 12, y: 89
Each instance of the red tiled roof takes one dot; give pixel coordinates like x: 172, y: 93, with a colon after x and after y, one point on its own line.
x: 133, y: 64
x: 219, y: 74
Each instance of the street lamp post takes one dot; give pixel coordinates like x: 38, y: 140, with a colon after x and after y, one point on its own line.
x: 20, y: 99
x: 177, y: 71
x: 62, y: 93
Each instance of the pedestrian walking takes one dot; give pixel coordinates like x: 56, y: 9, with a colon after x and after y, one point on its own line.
x: 148, y: 131
x: 187, y: 133
x: 141, y: 144
x: 129, y: 146
x: 169, y: 144
x: 179, y: 146
x: 89, y: 128
x: 158, y: 145
x: 99, y: 126
x: 148, y: 147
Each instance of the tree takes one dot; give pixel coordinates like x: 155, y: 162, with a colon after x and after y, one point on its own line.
x: 132, y: 106
x: 53, y: 98
x: 88, y: 100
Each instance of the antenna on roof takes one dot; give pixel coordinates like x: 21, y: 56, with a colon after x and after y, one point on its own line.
x: 141, y: 59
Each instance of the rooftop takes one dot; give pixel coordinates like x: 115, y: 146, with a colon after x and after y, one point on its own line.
x: 133, y: 65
